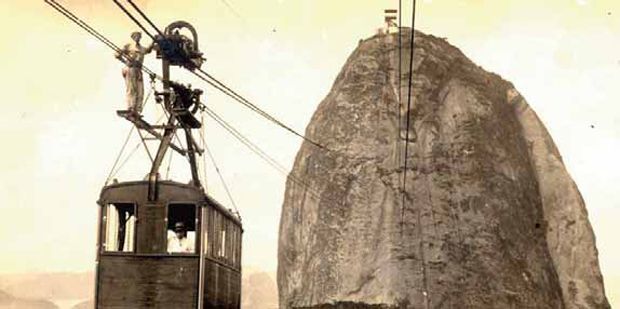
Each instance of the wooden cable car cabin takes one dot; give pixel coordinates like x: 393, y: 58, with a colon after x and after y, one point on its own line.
x: 166, y: 244
x: 137, y: 268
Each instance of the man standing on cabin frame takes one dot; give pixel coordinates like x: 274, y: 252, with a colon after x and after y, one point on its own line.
x: 132, y: 55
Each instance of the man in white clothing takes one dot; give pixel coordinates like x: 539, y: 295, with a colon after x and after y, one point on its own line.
x: 133, y: 56
x: 179, y: 243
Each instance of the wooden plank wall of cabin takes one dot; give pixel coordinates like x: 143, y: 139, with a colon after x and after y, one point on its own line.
x: 222, y: 286
x: 148, y: 282
x: 235, y: 288
x: 224, y: 289
x: 211, y: 279
x: 152, y: 229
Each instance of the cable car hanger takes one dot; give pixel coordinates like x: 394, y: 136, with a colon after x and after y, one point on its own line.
x: 192, y: 65
x: 162, y: 38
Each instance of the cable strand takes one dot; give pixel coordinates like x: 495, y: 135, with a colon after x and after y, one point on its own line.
x: 208, y: 78
x: 145, y: 17
x: 134, y: 19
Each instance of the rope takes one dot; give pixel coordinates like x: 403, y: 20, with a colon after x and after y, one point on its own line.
x: 118, y: 156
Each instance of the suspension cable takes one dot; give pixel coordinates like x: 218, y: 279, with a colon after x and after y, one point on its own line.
x: 400, y: 77
x: 232, y: 9
x: 425, y: 274
x: 245, y: 140
x: 127, y: 158
x: 145, y: 17
x: 61, y: 9
x: 146, y: 148
x: 134, y: 19
x: 169, y: 165
x: 217, y: 169
x: 411, y: 53
x: 258, y: 151
x: 118, y: 156
x: 215, y: 83
x: 64, y: 11
x: 204, y: 159
x: 208, y: 78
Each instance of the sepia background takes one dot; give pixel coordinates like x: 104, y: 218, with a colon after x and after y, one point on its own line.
x: 60, y: 90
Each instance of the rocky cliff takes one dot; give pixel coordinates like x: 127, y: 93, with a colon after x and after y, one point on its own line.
x: 490, y: 219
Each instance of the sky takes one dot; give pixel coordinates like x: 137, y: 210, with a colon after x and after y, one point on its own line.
x: 61, y: 89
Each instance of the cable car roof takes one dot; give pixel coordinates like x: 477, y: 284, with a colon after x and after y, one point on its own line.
x: 171, y: 191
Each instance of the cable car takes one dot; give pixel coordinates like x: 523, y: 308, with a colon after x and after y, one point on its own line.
x: 138, y: 266
x: 162, y: 243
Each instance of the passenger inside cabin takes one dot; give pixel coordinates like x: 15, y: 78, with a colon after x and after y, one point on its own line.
x: 179, y: 242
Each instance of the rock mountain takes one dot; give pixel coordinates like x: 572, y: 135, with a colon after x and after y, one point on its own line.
x: 491, y: 217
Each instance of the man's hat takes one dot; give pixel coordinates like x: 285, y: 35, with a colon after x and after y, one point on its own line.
x: 179, y: 227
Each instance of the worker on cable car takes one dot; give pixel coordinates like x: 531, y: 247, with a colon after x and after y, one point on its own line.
x: 179, y: 242
x: 132, y: 55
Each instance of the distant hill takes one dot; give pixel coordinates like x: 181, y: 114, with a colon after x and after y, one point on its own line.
x: 7, y: 301
x: 4, y: 297
x: 54, y: 286
x: 259, y: 290
x: 88, y: 304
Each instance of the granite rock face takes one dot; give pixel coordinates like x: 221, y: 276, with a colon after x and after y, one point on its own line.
x: 490, y: 219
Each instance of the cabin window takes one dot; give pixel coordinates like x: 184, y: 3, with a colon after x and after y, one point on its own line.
x: 225, y: 239
x: 217, y: 236
x: 181, y: 229
x: 207, y: 233
x: 220, y: 236
x: 222, y: 251
x: 119, y: 221
x: 229, y: 242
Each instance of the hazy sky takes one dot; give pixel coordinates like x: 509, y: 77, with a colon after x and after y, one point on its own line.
x: 61, y: 89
